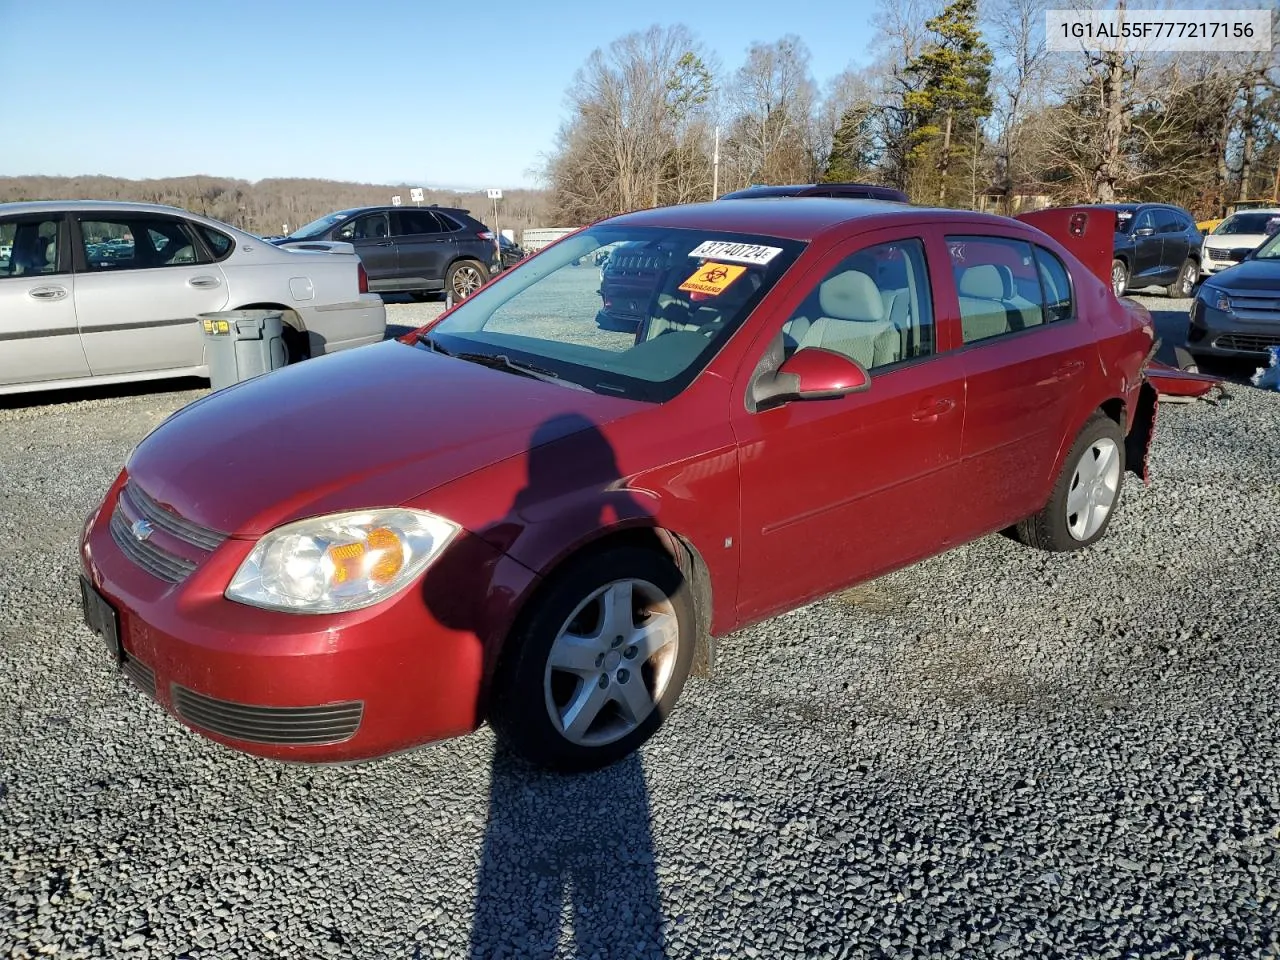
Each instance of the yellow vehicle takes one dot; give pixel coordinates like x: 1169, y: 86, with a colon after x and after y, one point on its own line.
x: 1205, y: 226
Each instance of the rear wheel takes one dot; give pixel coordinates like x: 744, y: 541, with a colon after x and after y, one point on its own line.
x: 465, y: 277
x: 1086, y: 494
x: 1182, y: 287
x: 599, y: 662
x: 1119, y: 277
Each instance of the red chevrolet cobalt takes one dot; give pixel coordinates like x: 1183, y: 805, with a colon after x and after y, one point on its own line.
x: 517, y: 515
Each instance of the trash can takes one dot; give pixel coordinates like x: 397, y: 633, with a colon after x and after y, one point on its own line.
x: 242, y: 344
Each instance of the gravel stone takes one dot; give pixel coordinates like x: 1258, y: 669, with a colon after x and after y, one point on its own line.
x: 997, y: 752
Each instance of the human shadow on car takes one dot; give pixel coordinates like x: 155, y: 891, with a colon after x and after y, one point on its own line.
x: 567, y: 865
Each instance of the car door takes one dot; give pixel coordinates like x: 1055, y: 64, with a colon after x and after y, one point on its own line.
x: 1174, y: 247
x: 370, y: 234
x: 1148, y: 243
x: 838, y: 490
x: 39, y: 338
x: 141, y: 281
x: 422, y: 248
x: 1026, y: 357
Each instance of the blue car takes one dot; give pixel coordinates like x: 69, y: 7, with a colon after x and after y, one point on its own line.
x: 1156, y: 244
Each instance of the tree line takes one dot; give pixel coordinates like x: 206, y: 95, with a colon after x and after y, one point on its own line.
x: 265, y: 207
x: 962, y: 106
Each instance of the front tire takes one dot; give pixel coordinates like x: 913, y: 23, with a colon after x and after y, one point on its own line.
x: 465, y: 277
x: 1087, y: 492
x: 1182, y: 287
x: 1119, y: 277
x: 598, y: 663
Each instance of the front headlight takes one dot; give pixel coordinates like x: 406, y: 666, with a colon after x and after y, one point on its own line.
x: 1215, y: 298
x: 341, y: 562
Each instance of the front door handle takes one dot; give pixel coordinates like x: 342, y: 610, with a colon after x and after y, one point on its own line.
x: 203, y: 283
x: 51, y: 292
x: 383, y: 243
x: 932, y: 410
x: 1068, y: 370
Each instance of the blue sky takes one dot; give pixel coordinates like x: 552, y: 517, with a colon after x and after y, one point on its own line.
x: 382, y: 91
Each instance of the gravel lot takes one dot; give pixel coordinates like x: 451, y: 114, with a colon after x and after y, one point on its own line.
x: 997, y: 753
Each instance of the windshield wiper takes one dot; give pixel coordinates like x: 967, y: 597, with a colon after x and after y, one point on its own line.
x: 433, y: 343
x: 500, y: 361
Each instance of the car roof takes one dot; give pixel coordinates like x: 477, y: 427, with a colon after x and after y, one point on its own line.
x: 795, y: 218
x: 351, y: 211
x: 60, y: 206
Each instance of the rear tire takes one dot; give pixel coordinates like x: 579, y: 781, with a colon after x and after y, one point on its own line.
x: 465, y: 277
x: 1181, y: 287
x: 1087, y: 492
x: 598, y: 663
x: 1119, y: 278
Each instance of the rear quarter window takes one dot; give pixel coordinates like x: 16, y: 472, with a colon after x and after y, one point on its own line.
x: 219, y: 243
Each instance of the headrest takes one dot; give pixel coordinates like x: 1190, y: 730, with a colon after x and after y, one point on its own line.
x: 984, y: 282
x: 851, y: 295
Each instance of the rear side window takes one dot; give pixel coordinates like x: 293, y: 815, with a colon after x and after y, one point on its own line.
x: 998, y: 282
x: 1167, y: 221
x: 415, y: 222
x: 1055, y: 283
x: 217, y: 242
x: 138, y: 243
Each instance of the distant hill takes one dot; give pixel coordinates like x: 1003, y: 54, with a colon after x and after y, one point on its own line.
x: 265, y: 206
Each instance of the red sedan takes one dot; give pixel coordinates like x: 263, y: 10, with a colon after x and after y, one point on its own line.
x: 514, y: 515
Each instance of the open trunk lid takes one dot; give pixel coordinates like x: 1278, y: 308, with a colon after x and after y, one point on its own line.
x: 1088, y: 232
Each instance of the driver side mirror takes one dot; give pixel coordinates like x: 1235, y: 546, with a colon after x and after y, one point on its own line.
x: 811, y: 374
x: 1144, y: 232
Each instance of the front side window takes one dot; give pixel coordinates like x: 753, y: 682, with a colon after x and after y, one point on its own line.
x: 998, y: 283
x: 1144, y: 221
x: 137, y: 243
x: 642, y: 328
x: 28, y: 247
x: 873, y: 307
x: 372, y: 226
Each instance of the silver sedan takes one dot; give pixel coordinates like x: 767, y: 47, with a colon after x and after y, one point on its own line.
x: 97, y: 292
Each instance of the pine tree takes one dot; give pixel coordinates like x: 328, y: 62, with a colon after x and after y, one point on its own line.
x: 848, y: 159
x: 955, y: 96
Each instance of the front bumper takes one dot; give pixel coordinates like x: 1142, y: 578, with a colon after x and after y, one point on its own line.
x: 1217, y: 333
x: 309, y: 688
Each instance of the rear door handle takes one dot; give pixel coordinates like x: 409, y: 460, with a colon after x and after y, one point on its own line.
x: 47, y: 293
x: 203, y: 283
x: 383, y: 243
x: 933, y: 410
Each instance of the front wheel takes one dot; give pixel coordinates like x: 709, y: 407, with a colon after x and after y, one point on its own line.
x: 599, y: 662
x: 1182, y: 287
x: 465, y: 277
x: 1087, y: 492
x: 1119, y: 277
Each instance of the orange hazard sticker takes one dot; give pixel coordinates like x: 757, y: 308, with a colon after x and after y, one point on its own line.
x: 712, y: 279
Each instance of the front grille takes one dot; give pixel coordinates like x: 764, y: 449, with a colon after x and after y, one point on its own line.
x: 1252, y: 343
x: 1255, y: 306
x: 158, y: 562
x: 142, y: 676
x: 1216, y: 254
x: 141, y: 504
x: 330, y: 723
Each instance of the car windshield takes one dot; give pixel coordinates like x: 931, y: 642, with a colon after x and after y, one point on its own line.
x: 1246, y: 223
x: 642, y: 329
x: 1270, y: 249
x: 317, y: 227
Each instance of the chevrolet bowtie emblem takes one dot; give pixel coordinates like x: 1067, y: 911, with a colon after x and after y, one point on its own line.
x: 141, y: 530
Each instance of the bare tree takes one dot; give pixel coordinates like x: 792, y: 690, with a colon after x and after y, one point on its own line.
x: 772, y: 101
x: 1016, y: 29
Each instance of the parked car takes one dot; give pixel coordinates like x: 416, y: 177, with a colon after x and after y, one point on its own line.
x: 830, y: 391
x: 1236, y: 312
x: 512, y: 252
x: 1208, y: 226
x: 1155, y: 245
x: 850, y: 191
x: 416, y: 250
x: 75, y: 312
x: 1240, y: 231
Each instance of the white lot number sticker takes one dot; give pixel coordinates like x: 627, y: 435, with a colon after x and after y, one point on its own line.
x: 753, y: 254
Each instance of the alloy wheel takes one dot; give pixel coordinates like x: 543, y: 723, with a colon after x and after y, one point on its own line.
x: 1093, y: 488
x: 466, y: 281
x: 1118, y: 279
x: 611, y: 662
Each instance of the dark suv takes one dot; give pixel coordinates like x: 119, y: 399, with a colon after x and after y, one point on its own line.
x: 416, y: 250
x: 850, y: 191
x: 1155, y: 245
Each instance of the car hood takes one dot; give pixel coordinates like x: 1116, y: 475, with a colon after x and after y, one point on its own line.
x: 1231, y: 241
x: 377, y: 426
x: 1250, y: 275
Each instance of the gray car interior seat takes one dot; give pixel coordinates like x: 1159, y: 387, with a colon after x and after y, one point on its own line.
x: 854, y: 321
x: 989, y: 304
